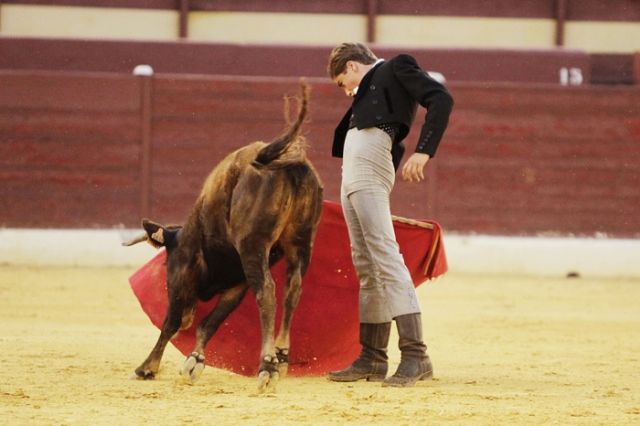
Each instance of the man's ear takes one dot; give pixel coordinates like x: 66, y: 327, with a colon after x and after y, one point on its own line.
x: 351, y: 65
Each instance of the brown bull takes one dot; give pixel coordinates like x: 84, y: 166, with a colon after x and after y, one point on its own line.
x: 261, y: 203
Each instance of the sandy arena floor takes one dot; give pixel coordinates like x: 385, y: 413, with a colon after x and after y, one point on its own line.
x: 506, y: 350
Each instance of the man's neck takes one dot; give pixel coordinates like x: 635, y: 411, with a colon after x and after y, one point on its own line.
x: 367, y: 68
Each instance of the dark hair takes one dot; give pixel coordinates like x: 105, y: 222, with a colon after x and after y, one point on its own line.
x: 346, y: 52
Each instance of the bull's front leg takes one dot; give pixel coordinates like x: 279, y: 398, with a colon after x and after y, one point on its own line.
x: 229, y: 300
x: 179, y: 314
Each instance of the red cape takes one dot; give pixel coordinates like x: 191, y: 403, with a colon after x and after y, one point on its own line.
x: 324, y: 335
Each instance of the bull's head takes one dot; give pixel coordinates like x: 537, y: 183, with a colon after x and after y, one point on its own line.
x: 157, y: 235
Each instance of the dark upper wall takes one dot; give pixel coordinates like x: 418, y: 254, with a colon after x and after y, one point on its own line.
x: 489, y: 65
x: 517, y: 159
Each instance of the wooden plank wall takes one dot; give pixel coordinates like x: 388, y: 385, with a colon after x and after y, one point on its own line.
x: 542, y: 160
x: 517, y: 159
x: 69, y: 148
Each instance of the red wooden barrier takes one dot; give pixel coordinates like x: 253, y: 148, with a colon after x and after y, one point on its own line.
x: 516, y: 159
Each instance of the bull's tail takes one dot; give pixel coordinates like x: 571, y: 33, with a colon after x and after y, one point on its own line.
x: 279, y: 146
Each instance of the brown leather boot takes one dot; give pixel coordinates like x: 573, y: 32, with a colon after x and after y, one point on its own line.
x: 414, y: 362
x: 371, y: 365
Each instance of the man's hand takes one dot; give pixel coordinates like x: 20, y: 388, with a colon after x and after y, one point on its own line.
x: 413, y: 169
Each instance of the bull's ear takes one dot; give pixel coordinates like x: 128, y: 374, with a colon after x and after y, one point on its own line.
x: 155, y: 233
x: 160, y: 235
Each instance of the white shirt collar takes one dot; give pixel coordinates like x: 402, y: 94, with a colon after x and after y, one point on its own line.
x: 355, y: 90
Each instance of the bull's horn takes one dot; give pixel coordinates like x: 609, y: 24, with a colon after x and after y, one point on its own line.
x: 140, y: 238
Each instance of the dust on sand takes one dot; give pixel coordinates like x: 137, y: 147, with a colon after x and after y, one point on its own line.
x: 506, y: 350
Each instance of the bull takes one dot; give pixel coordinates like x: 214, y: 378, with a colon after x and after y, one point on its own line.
x: 261, y: 203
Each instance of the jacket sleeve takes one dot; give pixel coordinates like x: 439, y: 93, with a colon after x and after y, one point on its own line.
x: 431, y: 95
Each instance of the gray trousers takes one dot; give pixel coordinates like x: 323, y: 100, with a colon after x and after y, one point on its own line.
x: 386, y: 287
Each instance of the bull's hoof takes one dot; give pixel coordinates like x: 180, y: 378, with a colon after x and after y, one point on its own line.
x: 267, y: 381
x: 283, y: 361
x: 143, y: 374
x: 268, y: 375
x: 193, y: 366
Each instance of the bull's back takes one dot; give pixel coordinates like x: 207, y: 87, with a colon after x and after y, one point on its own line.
x: 268, y: 201
x: 227, y: 172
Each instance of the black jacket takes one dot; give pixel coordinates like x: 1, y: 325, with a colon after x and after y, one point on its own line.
x: 389, y: 93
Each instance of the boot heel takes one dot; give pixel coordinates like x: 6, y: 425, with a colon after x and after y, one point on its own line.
x: 376, y: 378
x: 427, y: 376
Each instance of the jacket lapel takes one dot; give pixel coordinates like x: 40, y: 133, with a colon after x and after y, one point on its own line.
x: 363, y: 87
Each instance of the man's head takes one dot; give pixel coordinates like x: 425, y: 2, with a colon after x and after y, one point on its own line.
x: 348, y: 63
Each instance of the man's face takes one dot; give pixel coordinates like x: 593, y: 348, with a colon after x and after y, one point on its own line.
x: 350, y: 78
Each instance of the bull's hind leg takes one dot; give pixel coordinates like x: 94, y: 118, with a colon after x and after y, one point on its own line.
x: 256, y: 267
x: 292, y: 296
x: 179, y: 315
x: 229, y: 300
x: 297, y: 242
